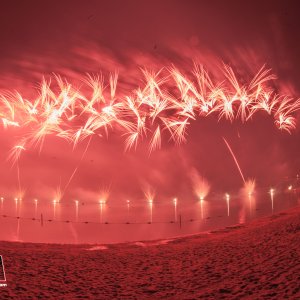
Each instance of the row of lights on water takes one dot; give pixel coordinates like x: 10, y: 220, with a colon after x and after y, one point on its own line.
x: 102, y: 203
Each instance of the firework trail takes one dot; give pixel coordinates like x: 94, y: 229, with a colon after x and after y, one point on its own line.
x: 75, y: 170
x: 149, y: 195
x: 19, y: 181
x: 235, y: 160
x: 166, y: 103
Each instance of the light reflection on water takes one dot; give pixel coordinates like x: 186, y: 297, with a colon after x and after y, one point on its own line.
x: 155, y: 220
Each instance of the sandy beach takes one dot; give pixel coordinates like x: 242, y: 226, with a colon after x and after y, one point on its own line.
x: 257, y: 260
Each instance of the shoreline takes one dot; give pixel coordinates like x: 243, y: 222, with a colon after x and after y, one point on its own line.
x: 217, y: 230
x: 258, y: 260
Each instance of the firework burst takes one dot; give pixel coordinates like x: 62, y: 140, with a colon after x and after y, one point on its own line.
x: 165, y: 105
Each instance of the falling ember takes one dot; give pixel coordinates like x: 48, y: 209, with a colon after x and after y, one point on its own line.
x: 272, y: 191
x: 18, y: 229
x: 247, y: 194
x: 16, y: 201
x: 18, y: 208
x: 103, y: 195
x: 54, y: 208
x: 128, y: 209
x: 202, y: 208
x: 227, y: 196
x: 252, y: 203
x: 151, y: 209
x: 76, y: 209
x: 150, y: 194
x: 102, y: 203
x: 175, y: 209
x: 35, y: 207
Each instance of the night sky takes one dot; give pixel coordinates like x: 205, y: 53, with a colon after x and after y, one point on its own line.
x: 72, y: 38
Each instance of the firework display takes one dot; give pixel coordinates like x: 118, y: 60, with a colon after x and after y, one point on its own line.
x: 149, y: 149
x: 162, y: 108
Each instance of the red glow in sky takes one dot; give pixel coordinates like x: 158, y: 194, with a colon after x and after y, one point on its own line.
x: 74, y: 38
